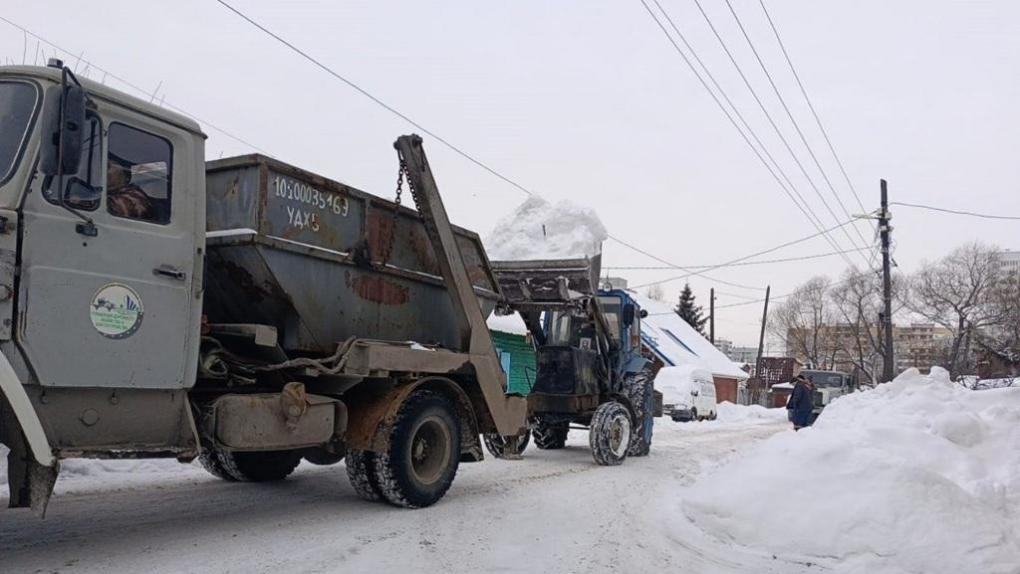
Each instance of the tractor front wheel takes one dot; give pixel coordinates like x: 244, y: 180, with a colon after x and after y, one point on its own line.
x: 610, y: 434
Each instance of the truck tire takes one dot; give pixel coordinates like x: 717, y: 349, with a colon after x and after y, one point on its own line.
x: 361, y: 473
x: 421, y: 461
x: 610, y: 434
x: 260, y: 466
x: 210, y: 461
x: 506, y: 447
x: 322, y: 457
x: 551, y: 436
x: 640, y: 393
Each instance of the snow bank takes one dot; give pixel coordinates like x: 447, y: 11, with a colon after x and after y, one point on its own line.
x: 731, y: 413
x: 538, y: 229
x: 917, y: 475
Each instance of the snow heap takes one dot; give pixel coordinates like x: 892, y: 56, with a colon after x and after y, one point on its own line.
x: 538, y: 229
x: 917, y: 475
x: 748, y: 414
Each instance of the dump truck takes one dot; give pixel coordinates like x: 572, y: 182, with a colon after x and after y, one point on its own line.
x: 243, y: 312
x: 591, y: 372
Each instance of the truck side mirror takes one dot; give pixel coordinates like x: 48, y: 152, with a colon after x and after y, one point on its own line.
x: 643, y: 313
x: 628, y: 314
x: 63, y: 120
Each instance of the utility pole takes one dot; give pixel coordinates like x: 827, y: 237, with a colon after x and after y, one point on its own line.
x: 761, y: 348
x: 888, y: 357
x: 711, y: 315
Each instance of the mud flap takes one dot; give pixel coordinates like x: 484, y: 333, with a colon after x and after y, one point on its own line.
x: 31, y: 484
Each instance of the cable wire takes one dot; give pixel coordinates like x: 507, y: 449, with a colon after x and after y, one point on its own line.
x: 741, y: 264
x: 955, y: 211
x: 771, y: 120
x: 789, y: 114
x: 733, y: 122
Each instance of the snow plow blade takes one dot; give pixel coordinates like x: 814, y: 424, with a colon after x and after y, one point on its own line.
x: 544, y: 284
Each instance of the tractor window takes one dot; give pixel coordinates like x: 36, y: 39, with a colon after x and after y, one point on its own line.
x: 559, y: 328
x: 83, y: 189
x: 611, y: 308
x: 138, y: 175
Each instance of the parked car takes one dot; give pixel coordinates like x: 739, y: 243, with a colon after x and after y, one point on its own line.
x: 688, y: 393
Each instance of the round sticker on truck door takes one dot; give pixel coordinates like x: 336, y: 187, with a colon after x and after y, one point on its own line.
x: 116, y: 311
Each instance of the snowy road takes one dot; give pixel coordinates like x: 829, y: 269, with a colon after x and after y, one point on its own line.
x: 554, y: 511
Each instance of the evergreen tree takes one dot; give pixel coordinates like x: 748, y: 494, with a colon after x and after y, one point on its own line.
x: 690, y: 312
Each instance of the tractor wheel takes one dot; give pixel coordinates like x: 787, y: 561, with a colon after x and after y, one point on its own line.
x: 641, y: 395
x: 424, y: 452
x: 506, y: 447
x: 260, y: 466
x: 610, y: 434
x: 361, y: 473
x: 551, y: 436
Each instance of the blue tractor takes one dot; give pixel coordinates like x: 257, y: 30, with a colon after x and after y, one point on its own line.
x: 590, y: 368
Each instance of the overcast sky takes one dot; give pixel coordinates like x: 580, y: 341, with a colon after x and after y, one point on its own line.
x: 588, y: 101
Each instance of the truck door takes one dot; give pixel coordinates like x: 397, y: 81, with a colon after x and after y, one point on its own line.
x: 115, y: 304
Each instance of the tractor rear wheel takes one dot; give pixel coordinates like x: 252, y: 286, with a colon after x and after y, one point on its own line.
x: 610, y: 434
x: 640, y: 393
x: 551, y: 436
x: 421, y: 461
x: 506, y: 447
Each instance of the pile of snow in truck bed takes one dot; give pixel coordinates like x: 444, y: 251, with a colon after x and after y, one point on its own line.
x: 538, y: 229
x: 917, y: 475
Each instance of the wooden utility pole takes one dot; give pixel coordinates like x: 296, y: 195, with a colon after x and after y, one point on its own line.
x: 761, y: 337
x: 711, y: 315
x: 888, y: 356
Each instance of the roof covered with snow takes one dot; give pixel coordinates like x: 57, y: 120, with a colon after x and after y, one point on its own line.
x: 676, y: 343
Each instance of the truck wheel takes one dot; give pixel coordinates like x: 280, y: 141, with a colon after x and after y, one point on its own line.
x: 361, y: 473
x: 322, y: 457
x: 694, y: 416
x: 424, y: 452
x: 610, y: 434
x: 639, y: 391
x: 210, y: 461
x: 551, y: 436
x: 506, y: 447
x: 261, y: 466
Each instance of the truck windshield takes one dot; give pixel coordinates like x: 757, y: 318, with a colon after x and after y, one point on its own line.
x: 18, y: 101
x: 826, y: 379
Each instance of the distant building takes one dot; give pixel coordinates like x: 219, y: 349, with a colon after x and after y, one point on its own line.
x: 916, y: 345
x: 737, y: 354
x: 1009, y: 261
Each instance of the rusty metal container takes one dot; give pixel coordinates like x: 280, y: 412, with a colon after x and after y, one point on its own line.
x: 322, y: 261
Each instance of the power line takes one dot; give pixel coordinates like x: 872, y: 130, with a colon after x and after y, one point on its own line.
x: 425, y: 130
x: 771, y: 120
x: 793, y: 120
x: 733, y: 122
x: 817, y: 222
x: 746, y: 257
x: 378, y: 101
x: 741, y: 264
x: 661, y: 260
x: 133, y: 86
x: 811, y: 106
x: 955, y: 211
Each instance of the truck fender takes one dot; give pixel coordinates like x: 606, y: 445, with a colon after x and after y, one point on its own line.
x: 369, y: 416
x: 24, y: 413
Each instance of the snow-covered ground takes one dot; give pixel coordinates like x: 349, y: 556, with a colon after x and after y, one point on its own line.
x: 919, y: 475
x: 554, y: 511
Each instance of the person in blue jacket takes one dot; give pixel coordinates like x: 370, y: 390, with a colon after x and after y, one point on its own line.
x: 801, y: 402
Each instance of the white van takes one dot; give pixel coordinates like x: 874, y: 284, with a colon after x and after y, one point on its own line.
x: 688, y: 393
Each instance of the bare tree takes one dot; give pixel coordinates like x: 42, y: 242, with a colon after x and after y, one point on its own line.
x: 954, y: 292
x: 803, y: 320
x: 857, y: 299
